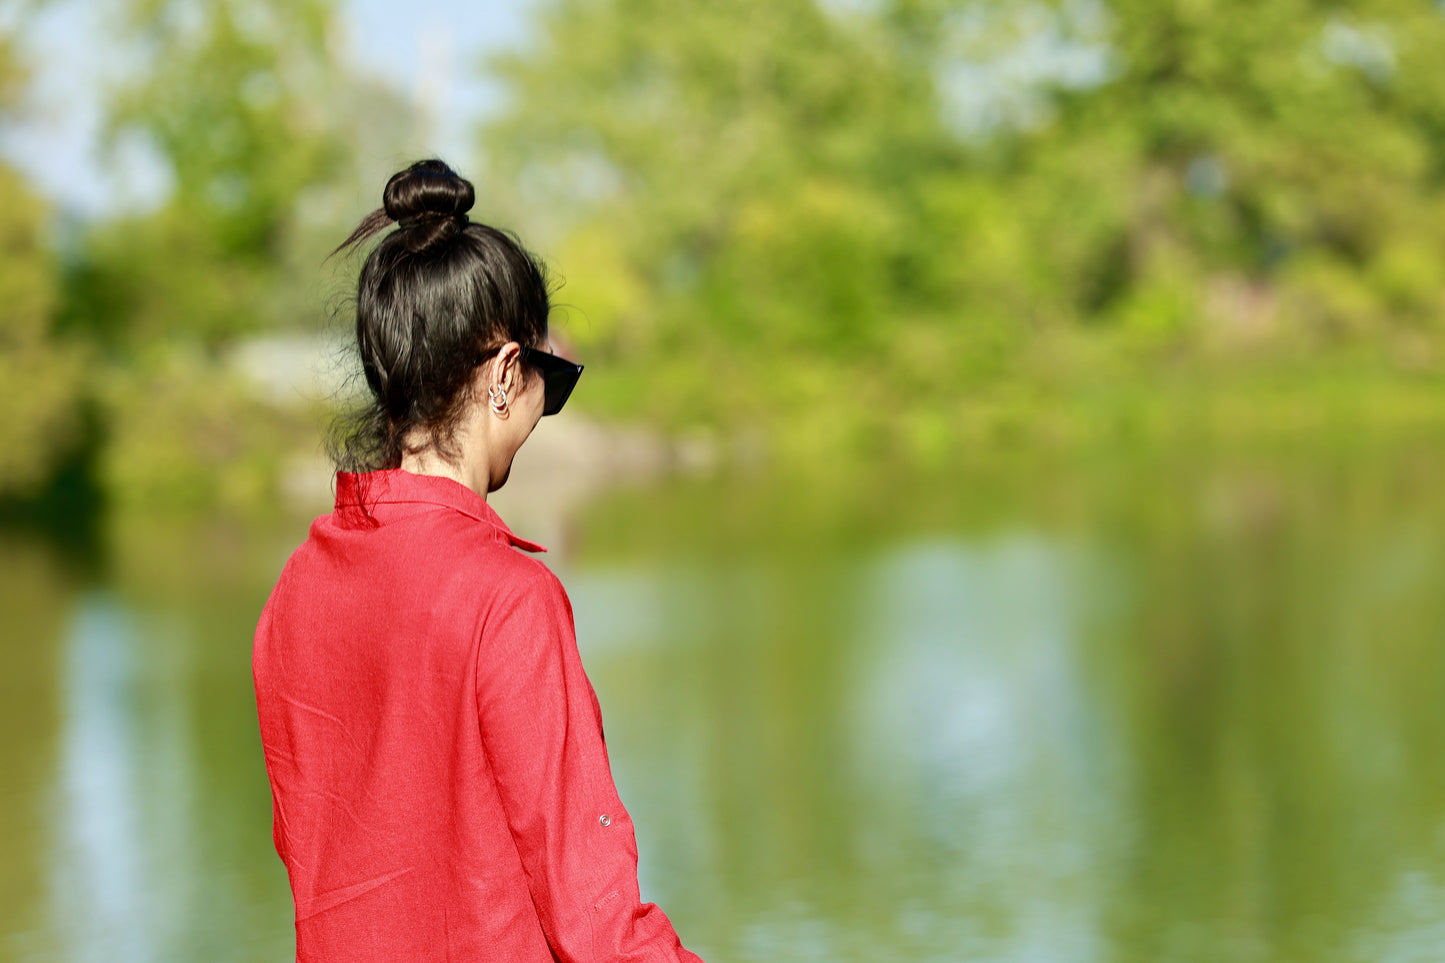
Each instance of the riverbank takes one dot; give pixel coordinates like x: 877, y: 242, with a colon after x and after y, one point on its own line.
x: 566, y: 461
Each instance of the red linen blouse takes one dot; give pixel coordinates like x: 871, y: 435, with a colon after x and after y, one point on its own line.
x: 440, y: 784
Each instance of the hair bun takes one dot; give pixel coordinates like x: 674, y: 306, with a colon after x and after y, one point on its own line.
x: 427, y: 187
x: 428, y: 199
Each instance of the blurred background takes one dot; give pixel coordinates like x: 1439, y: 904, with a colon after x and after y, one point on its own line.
x: 1003, y: 508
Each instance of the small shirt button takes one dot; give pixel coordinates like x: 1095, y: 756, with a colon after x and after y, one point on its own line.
x: 605, y: 819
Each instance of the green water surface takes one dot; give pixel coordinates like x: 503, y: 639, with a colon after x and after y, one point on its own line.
x: 1183, y: 707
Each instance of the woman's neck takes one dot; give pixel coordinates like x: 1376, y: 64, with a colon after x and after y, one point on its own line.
x: 428, y: 462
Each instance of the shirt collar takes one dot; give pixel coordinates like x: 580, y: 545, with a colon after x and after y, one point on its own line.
x: 356, y: 493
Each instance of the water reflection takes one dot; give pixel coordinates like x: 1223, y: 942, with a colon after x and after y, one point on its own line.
x: 1134, y: 712
x: 1155, y: 713
x: 900, y: 759
x: 975, y: 726
x: 101, y: 849
x: 138, y: 820
x: 34, y: 593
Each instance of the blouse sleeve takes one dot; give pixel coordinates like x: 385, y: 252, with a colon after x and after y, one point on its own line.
x: 542, y: 728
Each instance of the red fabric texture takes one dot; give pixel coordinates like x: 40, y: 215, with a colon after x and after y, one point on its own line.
x: 440, y: 782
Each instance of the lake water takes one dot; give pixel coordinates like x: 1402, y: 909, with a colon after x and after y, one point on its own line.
x: 1163, y: 708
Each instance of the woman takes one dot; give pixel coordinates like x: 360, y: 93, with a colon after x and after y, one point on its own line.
x: 440, y: 782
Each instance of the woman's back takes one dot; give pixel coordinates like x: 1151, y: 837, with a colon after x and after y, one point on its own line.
x: 435, y: 750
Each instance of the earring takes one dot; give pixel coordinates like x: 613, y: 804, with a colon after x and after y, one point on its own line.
x: 497, y: 397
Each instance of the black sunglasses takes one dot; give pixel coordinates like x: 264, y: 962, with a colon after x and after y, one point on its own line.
x: 559, y: 376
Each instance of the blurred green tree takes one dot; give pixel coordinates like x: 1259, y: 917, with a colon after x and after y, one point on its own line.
x: 267, y: 137
x: 734, y: 183
x: 40, y: 375
x: 1253, y: 175
x: 920, y: 207
x: 258, y: 126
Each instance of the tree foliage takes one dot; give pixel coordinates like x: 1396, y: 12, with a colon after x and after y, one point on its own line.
x: 40, y: 375
x: 269, y: 141
x: 259, y: 129
x: 849, y: 221
x: 787, y: 205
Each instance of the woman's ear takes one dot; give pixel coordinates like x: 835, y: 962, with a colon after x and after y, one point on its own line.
x: 508, y: 368
x: 502, y: 369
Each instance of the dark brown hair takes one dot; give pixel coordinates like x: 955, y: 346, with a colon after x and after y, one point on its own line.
x: 432, y: 298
